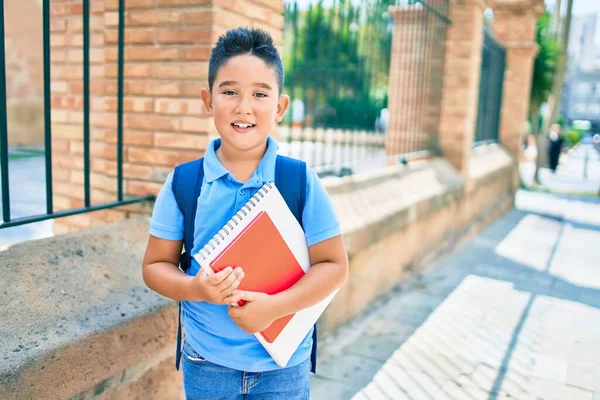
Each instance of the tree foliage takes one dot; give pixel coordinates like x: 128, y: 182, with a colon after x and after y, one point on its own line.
x: 544, y: 68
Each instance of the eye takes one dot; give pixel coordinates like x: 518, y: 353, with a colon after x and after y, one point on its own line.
x: 260, y: 95
x: 229, y: 92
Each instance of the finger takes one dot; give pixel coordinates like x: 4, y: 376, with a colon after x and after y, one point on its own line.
x: 235, y: 278
x: 217, y: 278
x: 248, y: 295
x: 233, y: 298
x: 229, y: 281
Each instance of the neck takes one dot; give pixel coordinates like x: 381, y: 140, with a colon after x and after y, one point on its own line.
x: 241, y: 164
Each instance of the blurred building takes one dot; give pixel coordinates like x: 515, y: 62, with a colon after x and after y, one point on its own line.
x: 581, y: 93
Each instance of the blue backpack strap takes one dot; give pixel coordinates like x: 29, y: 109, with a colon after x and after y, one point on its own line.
x: 186, y: 185
x: 290, y: 179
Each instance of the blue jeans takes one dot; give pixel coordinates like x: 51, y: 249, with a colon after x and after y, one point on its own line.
x: 205, y: 380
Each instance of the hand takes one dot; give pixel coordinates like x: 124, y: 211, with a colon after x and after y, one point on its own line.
x: 256, y: 315
x: 219, y: 288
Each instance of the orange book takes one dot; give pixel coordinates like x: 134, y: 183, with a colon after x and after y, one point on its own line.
x: 268, y: 263
x: 266, y: 240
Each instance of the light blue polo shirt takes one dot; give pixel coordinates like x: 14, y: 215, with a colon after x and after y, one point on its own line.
x: 208, y: 327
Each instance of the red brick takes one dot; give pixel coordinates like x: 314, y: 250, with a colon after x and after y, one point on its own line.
x: 60, y: 145
x: 179, y: 141
x: 142, y: 188
x: 152, y: 54
x: 179, y: 106
x: 154, y: 18
x: 59, y: 25
x: 194, y: 124
x: 184, y: 36
x: 141, y: 172
x: 197, y: 70
x: 131, y: 104
x: 155, y: 88
x: 200, y: 53
x: 204, y: 17
x: 103, y: 150
x: 113, y: 5
x: 180, y: 3
x: 152, y: 157
x: 138, y: 36
x: 193, y: 89
x: 151, y: 122
x: 130, y: 70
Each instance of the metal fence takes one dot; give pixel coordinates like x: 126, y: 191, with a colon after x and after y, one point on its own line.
x: 493, y: 63
x: 337, y: 56
x: 7, y: 219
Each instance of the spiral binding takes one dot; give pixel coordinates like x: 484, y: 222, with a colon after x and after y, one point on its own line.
x: 234, y: 221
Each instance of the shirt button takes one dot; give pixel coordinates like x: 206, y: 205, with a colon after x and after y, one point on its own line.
x: 229, y: 178
x: 242, y: 191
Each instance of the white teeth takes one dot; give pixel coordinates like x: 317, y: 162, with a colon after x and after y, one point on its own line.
x: 243, y: 126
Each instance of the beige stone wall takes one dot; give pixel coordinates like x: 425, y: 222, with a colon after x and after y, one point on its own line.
x: 79, y: 323
x: 167, y: 49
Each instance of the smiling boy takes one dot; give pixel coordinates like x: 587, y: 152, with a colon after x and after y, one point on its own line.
x: 221, y: 357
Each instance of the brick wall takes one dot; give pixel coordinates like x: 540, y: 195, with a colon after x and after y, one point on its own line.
x: 24, y: 72
x: 167, y: 49
x: 514, y: 25
x: 461, y: 82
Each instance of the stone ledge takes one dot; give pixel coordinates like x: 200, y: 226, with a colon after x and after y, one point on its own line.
x: 372, y: 205
x: 76, y: 311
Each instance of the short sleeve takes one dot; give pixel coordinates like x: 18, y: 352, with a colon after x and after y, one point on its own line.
x: 167, y: 219
x: 318, y: 218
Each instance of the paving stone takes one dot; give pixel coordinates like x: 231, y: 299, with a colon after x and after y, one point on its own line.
x: 354, y: 370
x: 586, y: 376
x: 375, y: 347
x: 329, y: 389
x: 510, y: 315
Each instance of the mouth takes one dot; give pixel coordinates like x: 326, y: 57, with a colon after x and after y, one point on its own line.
x: 242, y: 127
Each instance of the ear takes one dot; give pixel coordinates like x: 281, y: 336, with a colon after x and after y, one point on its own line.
x: 283, y: 104
x: 207, y: 100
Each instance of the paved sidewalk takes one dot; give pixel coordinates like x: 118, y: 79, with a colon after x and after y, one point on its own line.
x: 514, y: 313
x: 578, y: 172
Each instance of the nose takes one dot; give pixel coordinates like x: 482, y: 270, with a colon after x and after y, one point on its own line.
x: 244, y: 106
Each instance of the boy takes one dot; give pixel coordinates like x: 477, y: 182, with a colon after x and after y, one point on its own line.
x: 221, y: 357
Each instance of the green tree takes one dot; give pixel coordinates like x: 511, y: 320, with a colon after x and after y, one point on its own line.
x: 544, y: 69
x: 337, y: 60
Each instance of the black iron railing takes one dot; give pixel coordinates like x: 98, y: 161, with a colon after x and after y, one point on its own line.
x: 493, y: 63
x: 7, y: 220
x: 337, y: 56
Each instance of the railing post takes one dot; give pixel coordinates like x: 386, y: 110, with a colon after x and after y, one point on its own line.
x: 461, y: 81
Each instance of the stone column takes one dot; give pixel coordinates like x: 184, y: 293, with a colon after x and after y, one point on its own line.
x: 167, y: 49
x: 514, y: 26
x: 407, y: 74
x: 461, y: 81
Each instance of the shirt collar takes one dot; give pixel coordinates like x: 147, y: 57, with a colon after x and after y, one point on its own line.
x: 213, y: 169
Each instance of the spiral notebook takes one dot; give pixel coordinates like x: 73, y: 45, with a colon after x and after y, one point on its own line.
x: 266, y: 240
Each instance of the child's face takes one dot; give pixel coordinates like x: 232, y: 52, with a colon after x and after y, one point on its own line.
x: 245, y: 102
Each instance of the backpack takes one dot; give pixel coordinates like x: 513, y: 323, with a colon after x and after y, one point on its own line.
x: 290, y: 179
